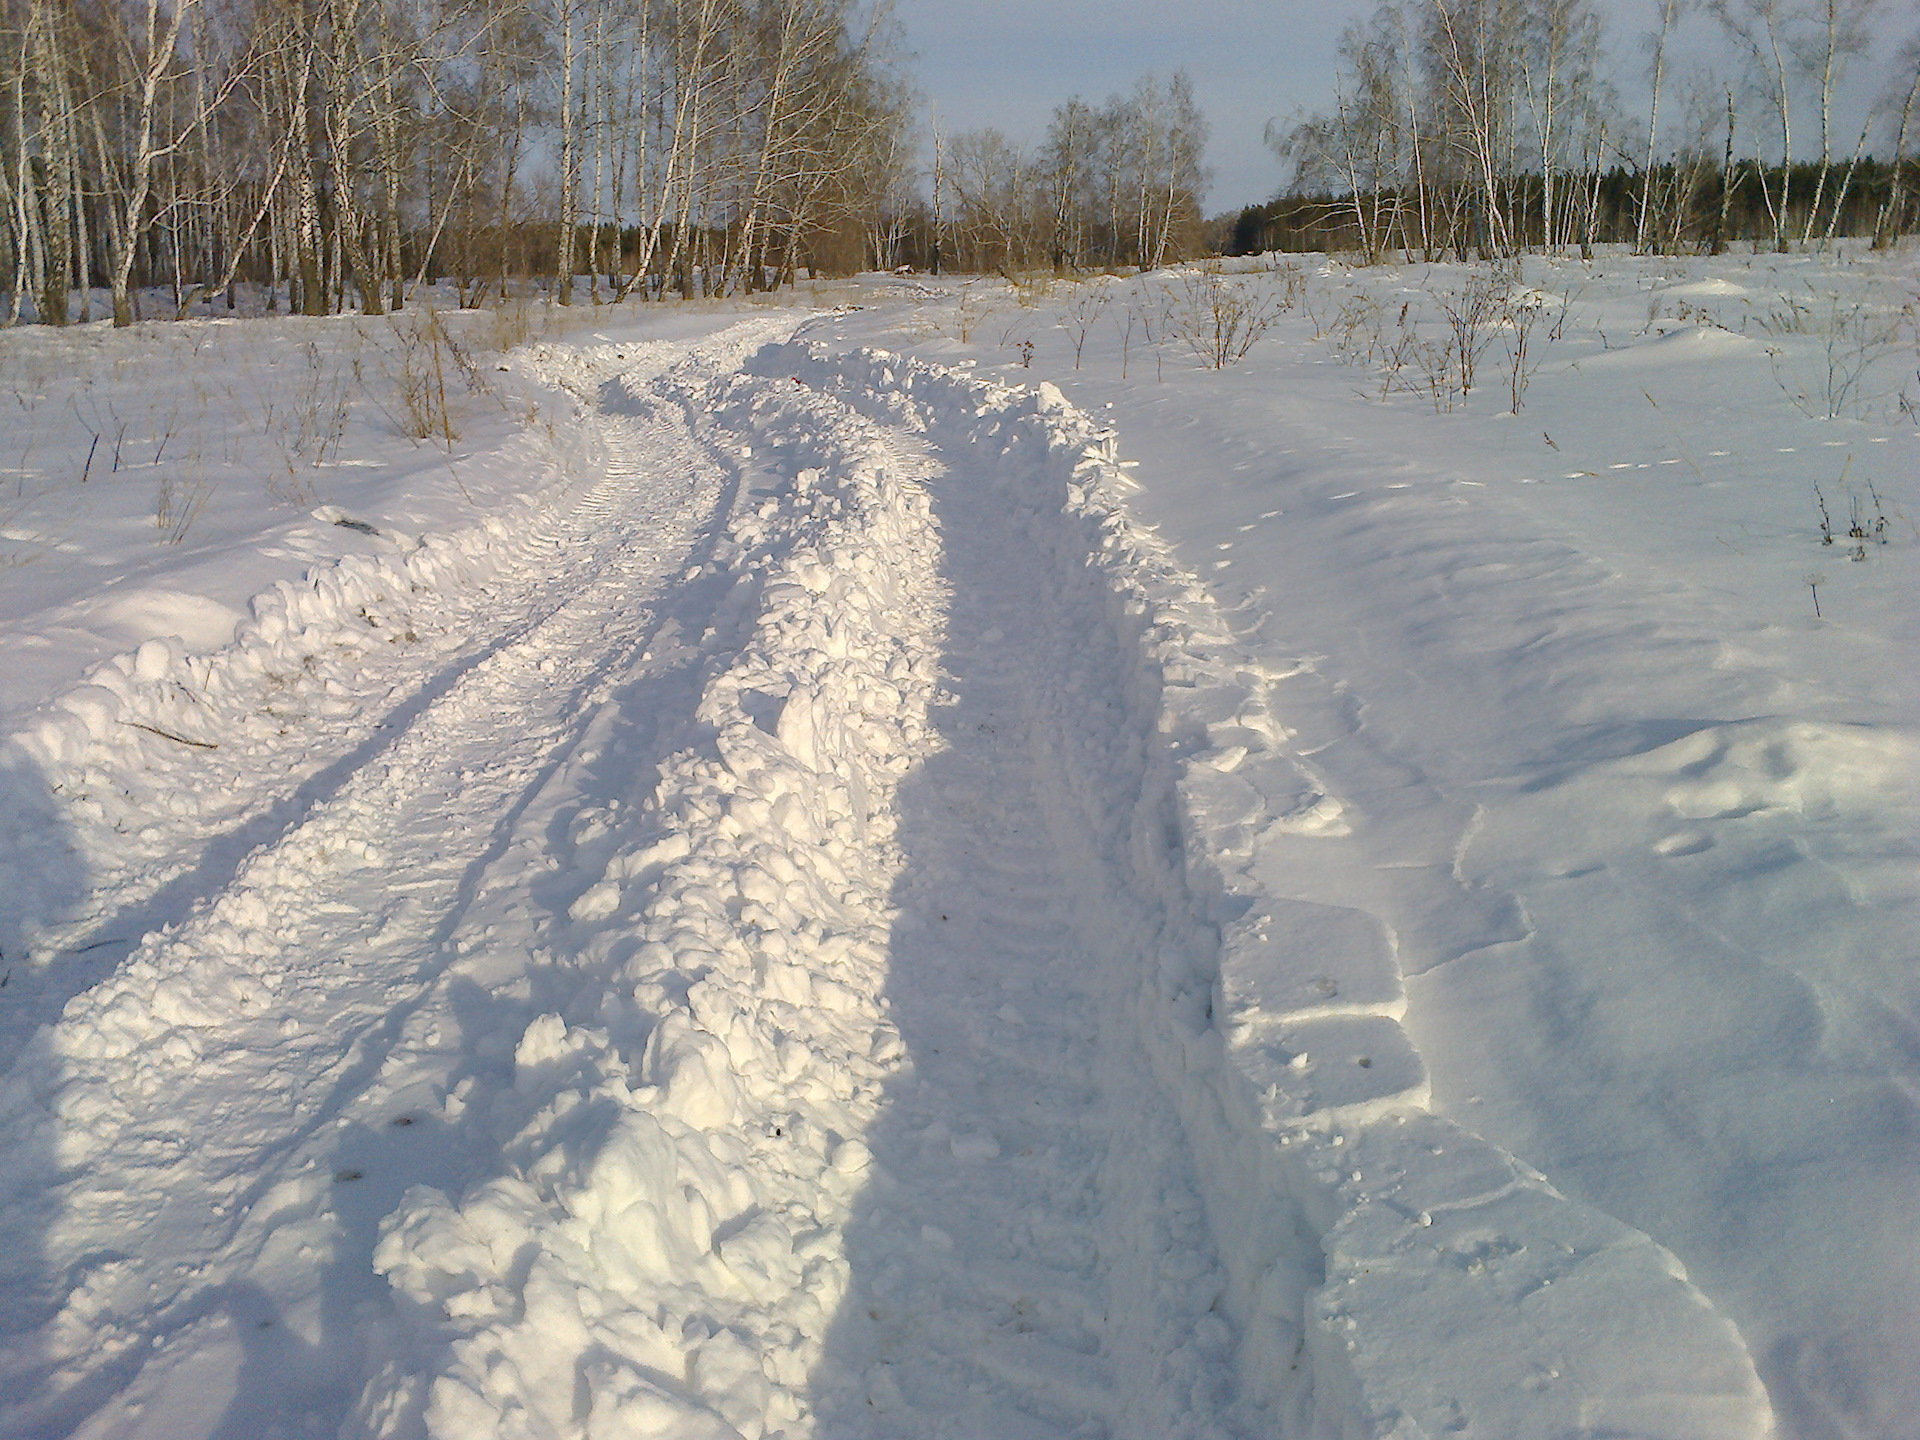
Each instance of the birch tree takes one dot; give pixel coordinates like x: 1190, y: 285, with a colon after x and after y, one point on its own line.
x: 1841, y: 34
x: 1886, y: 221
x: 1668, y: 12
x: 1764, y: 32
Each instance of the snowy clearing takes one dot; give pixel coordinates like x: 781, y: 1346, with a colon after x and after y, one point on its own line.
x: 783, y: 887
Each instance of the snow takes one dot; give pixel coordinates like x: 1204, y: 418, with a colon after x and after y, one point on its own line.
x: 777, y: 885
x: 1641, y: 824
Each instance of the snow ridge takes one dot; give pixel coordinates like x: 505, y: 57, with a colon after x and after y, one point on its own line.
x: 657, y: 1240
x: 676, y: 1174
x: 175, y: 1106
x: 1389, y: 1273
x: 158, y: 750
x: 110, y: 742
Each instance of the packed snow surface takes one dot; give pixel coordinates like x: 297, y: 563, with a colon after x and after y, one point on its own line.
x: 780, y: 887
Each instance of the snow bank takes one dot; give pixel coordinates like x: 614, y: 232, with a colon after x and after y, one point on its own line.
x: 680, y: 1145
x: 660, y: 1249
x: 306, y: 673
x: 351, y: 600
x: 158, y: 683
x: 1390, y: 1273
x: 317, y: 664
x: 292, y: 683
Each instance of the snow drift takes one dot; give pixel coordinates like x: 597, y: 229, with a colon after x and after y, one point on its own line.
x: 677, y: 1173
x: 659, y: 1249
x: 660, y: 1254
x: 1390, y: 1273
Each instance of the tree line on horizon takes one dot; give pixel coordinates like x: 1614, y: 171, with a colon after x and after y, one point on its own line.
x: 341, y: 152
x: 1119, y: 184
x: 1480, y: 128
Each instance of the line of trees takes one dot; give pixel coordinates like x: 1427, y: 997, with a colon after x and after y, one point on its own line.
x: 343, y: 151
x: 1487, y: 126
x: 1112, y: 185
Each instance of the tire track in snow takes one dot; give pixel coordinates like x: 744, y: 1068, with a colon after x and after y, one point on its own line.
x: 678, y: 1190
x: 659, y: 1250
x: 691, y: 1223
x: 1385, y: 1269
x: 325, y: 675
x: 1035, y: 1261
x: 190, y: 1097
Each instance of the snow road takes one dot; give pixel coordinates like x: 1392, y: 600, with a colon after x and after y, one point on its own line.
x: 784, y: 964
x: 208, y: 1092
x: 1041, y: 1264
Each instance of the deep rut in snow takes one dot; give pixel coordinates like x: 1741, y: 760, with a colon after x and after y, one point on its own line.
x: 213, y: 1084
x: 817, y: 991
x: 434, y: 988
x: 1033, y: 1260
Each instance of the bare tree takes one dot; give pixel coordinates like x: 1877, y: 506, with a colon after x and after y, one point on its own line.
x: 150, y: 53
x: 1473, y: 76
x: 1886, y: 221
x: 1558, y: 61
x: 1360, y: 148
x: 1764, y: 32
x: 1068, y: 159
x: 1842, y: 34
x: 1669, y: 11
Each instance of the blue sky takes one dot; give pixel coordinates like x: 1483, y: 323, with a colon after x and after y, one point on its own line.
x: 1007, y: 63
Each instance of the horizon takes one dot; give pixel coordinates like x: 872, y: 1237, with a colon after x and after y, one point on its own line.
x: 1007, y: 65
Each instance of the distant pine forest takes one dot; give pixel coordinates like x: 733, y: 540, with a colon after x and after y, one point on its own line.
x: 1697, y: 208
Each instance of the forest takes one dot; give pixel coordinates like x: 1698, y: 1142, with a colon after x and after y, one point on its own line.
x: 341, y: 151
x: 337, y: 154
x: 1480, y: 128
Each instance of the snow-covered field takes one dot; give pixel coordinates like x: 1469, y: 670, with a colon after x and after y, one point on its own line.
x: 942, y: 868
